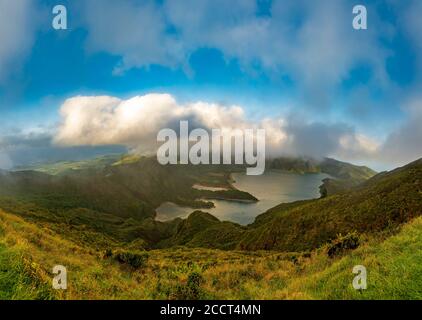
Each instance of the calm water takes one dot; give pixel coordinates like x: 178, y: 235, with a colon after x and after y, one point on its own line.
x: 272, y: 188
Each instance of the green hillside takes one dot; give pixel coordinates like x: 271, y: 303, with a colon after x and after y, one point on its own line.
x: 99, y: 223
x: 201, y: 229
x: 335, y: 168
x: 343, y: 175
x: 28, y: 254
x: 381, y: 203
x: 115, y: 205
x: 116, y: 202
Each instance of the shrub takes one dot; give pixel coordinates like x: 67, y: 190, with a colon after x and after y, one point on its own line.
x: 191, y: 290
x: 343, y: 243
x: 135, y: 259
x: 108, y: 253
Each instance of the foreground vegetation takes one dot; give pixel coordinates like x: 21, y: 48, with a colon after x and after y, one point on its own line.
x: 28, y: 254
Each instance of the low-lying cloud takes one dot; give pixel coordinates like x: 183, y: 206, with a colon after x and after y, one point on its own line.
x: 135, y: 123
x: 97, y: 125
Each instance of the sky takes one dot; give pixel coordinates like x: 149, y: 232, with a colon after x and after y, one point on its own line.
x: 123, y: 70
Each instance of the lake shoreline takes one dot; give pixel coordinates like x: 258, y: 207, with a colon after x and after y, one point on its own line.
x: 269, y: 190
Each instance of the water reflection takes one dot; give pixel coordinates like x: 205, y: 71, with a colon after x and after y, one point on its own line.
x: 271, y: 188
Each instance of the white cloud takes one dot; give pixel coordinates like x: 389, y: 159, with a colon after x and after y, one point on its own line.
x: 136, y: 122
x: 313, y: 42
x: 134, y: 31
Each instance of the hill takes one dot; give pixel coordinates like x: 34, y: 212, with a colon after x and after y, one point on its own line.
x: 115, y: 205
x: 343, y: 175
x: 113, y: 202
x: 337, y: 169
x: 381, y: 203
x: 28, y: 254
x: 201, y: 229
x: 114, y: 197
x: 300, y: 250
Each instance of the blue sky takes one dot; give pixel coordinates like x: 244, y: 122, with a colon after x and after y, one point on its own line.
x: 291, y: 59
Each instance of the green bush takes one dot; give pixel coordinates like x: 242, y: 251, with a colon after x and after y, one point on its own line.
x: 191, y: 290
x: 343, y: 243
x: 135, y: 259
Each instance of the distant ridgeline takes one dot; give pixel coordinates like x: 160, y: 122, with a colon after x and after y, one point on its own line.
x: 113, y: 204
x: 345, y: 175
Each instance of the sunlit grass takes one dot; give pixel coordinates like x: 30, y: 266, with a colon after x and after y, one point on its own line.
x: 28, y: 254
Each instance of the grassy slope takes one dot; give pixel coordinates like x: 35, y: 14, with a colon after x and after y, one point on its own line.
x: 16, y: 279
x: 201, y: 229
x: 382, y: 203
x: 39, y: 250
x: 27, y: 254
x: 346, y: 176
x: 346, y: 171
x: 394, y: 270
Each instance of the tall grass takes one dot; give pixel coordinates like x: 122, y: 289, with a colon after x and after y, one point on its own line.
x: 28, y: 254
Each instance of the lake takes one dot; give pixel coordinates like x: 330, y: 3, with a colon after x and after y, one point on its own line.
x: 271, y: 188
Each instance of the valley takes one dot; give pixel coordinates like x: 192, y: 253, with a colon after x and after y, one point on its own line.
x: 100, y: 222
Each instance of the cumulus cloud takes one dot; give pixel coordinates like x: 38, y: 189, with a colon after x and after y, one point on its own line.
x: 136, y: 122
x: 17, y: 28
